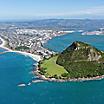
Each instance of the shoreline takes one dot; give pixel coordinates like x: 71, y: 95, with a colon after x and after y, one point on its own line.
x: 36, y: 70
x: 42, y: 77
x: 2, y: 45
x: 33, y: 56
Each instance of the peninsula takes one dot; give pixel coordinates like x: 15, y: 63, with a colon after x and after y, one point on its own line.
x: 79, y: 62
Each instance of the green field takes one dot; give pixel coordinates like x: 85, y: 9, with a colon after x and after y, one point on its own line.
x: 52, y: 68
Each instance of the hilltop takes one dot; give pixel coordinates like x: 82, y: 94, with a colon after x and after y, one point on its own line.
x: 79, y: 60
x: 82, y: 60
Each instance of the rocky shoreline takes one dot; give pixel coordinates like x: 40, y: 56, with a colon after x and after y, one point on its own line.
x: 42, y: 77
x: 52, y: 79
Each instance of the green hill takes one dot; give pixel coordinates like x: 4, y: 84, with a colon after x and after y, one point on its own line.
x: 82, y: 60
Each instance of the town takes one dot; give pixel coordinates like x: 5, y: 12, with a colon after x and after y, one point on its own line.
x: 97, y: 32
x: 28, y: 40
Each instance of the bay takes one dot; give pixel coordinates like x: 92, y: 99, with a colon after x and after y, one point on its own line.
x: 16, y: 68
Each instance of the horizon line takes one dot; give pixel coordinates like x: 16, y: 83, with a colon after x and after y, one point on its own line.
x: 17, y: 20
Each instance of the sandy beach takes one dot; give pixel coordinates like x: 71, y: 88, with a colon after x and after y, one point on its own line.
x: 33, y: 56
x: 2, y: 45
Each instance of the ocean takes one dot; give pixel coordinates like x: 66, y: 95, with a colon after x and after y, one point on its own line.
x: 16, y: 68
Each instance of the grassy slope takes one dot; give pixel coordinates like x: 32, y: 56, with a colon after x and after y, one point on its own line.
x: 52, y: 67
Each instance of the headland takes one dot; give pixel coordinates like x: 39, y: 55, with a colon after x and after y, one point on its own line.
x: 78, y: 62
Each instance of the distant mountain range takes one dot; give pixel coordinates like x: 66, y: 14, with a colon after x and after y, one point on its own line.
x: 62, y: 24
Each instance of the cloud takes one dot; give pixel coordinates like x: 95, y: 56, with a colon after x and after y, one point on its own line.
x: 95, y: 10
x: 99, y: 10
x: 92, y: 12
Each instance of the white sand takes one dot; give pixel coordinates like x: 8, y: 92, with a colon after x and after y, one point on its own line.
x: 2, y: 45
x: 35, y: 57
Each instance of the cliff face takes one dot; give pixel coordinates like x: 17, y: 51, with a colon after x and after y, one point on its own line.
x: 83, y: 59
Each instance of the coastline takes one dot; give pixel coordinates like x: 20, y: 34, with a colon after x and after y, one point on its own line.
x: 42, y: 77
x: 33, y: 56
x: 2, y: 45
x: 37, y: 58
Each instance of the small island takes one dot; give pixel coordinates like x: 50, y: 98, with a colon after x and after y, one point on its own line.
x: 78, y: 62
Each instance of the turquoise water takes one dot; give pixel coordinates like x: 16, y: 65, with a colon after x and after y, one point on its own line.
x: 2, y: 50
x: 16, y: 68
x: 61, y: 42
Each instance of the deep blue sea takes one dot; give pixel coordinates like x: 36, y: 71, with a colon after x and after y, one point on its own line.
x: 16, y: 68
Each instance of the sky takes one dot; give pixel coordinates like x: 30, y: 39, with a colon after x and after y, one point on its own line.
x: 40, y: 9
